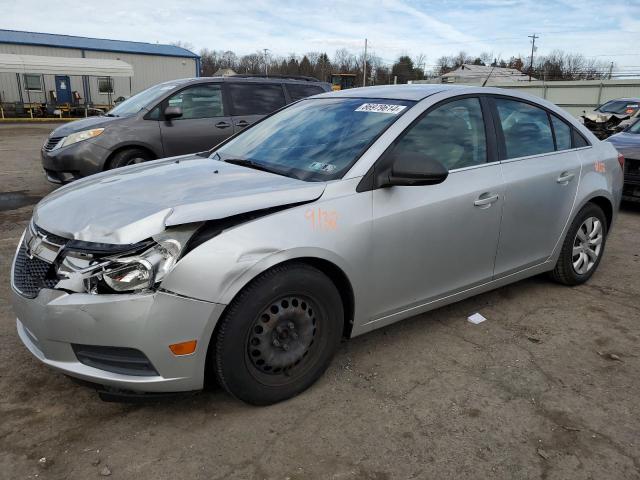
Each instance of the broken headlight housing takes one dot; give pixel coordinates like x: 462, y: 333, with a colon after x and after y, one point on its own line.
x: 93, y: 268
x: 137, y: 272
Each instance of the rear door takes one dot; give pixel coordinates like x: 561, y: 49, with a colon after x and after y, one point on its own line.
x: 251, y: 101
x: 203, y: 123
x: 541, y: 173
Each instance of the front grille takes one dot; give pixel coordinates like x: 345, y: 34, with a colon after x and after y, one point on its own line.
x: 125, y: 361
x: 30, y: 275
x: 52, y: 143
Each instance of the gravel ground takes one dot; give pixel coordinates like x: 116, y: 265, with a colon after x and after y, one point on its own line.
x: 547, y: 387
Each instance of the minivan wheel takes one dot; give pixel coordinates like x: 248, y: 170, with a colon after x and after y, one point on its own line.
x: 278, y: 335
x: 583, y: 247
x: 129, y: 156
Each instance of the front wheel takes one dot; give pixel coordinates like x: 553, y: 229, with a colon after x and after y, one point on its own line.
x: 279, y: 334
x: 583, y: 247
x: 129, y: 156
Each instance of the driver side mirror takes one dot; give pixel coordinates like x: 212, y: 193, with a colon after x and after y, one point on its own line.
x: 172, y: 112
x: 415, y: 169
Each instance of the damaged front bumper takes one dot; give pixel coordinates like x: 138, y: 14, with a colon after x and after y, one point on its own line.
x: 94, y: 337
x: 119, y: 340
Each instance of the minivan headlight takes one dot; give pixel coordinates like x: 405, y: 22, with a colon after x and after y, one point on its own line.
x: 80, y: 136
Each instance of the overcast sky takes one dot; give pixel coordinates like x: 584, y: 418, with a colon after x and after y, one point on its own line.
x: 608, y: 29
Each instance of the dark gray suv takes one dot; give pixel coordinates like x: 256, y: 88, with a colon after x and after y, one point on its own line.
x: 172, y: 118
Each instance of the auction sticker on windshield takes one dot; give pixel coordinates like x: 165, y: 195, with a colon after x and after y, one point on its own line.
x: 381, y: 108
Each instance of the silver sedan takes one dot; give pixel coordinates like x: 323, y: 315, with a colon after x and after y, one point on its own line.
x: 337, y: 215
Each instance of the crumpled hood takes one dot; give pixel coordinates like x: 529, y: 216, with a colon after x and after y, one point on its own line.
x: 600, y: 117
x: 131, y: 204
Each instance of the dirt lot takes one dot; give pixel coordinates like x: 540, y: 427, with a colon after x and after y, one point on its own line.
x: 531, y: 393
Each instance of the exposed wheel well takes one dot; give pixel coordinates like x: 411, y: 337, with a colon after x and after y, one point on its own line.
x: 107, y: 164
x: 342, y: 283
x: 606, y: 207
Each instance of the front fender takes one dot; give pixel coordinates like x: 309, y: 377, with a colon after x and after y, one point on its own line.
x: 219, y: 268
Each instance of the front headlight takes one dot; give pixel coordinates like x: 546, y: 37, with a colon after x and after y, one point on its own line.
x: 87, y: 267
x: 80, y: 136
x: 142, y: 271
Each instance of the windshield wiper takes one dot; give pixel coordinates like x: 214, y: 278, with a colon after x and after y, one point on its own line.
x: 243, y: 162
x: 110, y: 115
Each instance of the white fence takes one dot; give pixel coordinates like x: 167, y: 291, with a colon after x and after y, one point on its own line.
x: 575, y: 96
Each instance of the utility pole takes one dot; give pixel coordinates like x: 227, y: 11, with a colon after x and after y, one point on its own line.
x: 364, y: 77
x: 266, y: 67
x: 610, y: 70
x: 533, y: 46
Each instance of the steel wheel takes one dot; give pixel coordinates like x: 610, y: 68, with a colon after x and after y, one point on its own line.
x: 278, y: 334
x: 587, y: 245
x: 281, y: 338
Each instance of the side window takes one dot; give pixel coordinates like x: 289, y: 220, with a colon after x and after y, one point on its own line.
x: 154, y: 114
x: 201, y: 101
x: 255, y: 99
x: 453, y: 134
x: 562, y: 132
x: 526, y: 128
x: 578, y: 140
x: 297, y: 91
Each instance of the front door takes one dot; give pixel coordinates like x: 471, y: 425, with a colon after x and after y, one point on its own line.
x: 63, y: 89
x: 203, y: 123
x: 541, y: 174
x: 431, y: 241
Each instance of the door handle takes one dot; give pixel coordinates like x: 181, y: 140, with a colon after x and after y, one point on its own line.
x: 486, y: 200
x: 242, y: 123
x: 223, y: 125
x: 565, y: 178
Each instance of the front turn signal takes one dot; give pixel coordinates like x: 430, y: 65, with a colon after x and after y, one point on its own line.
x: 184, y: 348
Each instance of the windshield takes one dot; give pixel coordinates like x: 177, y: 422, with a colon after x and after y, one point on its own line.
x: 619, y: 107
x: 316, y: 139
x: 141, y: 100
x: 635, y: 128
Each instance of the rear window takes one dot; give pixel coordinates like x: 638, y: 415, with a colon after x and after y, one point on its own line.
x: 579, y: 140
x: 526, y: 128
x: 296, y: 92
x: 562, y: 132
x: 256, y: 99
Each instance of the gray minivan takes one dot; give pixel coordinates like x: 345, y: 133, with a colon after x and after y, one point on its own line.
x: 172, y: 118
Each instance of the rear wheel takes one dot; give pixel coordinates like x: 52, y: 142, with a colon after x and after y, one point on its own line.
x: 583, y: 247
x: 129, y: 156
x: 278, y: 335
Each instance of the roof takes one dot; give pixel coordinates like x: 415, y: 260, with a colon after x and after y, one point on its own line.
x: 470, y: 71
x: 414, y: 92
x: 10, y: 63
x: 98, y: 44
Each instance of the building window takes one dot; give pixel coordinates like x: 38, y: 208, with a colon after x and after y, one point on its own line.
x: 33, y: 82
x: 105, y: 85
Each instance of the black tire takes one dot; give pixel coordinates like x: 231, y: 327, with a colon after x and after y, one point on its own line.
x: 129, y: 156
x: 564, y: 271
x: 290, y: 299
